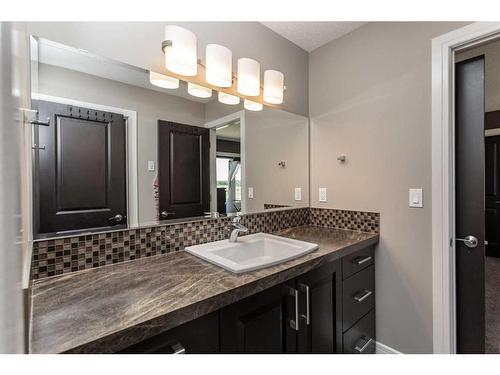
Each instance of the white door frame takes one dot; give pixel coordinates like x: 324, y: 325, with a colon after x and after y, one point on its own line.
x: 213, y: 156
x: 443, y: 195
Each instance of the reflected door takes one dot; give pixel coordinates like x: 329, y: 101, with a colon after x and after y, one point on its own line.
x: 79, y: 168
x: 183, y: 170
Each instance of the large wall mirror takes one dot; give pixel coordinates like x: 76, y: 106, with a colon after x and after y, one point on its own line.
x: 111, y: 150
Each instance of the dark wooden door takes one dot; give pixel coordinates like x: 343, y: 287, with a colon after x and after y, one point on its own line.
x: 183, y: 170
x: 320, y: 325
x: 260, y: 324
x: 470, y: 204
x: 79, y: 169
x: 492, y: 185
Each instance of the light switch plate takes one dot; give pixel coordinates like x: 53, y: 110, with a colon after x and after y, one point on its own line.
x: 250, y: 192
x: 415, y: 198
x: 298, y: 194
x: 322, y: 194
x: 151, y: 165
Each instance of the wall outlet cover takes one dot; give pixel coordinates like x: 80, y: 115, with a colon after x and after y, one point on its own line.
x: 250, y: 192
x: 151, y: 165
x: 322, y: 194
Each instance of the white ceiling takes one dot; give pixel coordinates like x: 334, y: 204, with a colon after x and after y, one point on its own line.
x: 312, y: 35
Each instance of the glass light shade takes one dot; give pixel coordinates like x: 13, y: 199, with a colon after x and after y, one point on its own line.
x: 248, y: 77
x: 199, y: 91
x: 181, y: 57
x: 228, y: 98
x: 252, y: 106
x: 273, y: 86
x: 161, y: 80
x: 219, y: 65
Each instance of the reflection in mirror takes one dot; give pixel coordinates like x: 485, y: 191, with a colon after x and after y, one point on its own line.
x: 119, y: 150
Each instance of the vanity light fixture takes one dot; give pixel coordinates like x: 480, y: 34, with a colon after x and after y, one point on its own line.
x: 219, y: 65
x: 181, y: 59
x: 252, y: 106
x: 180, y: 51
x: 273, y: 86
x: 199, y: 91
x: 228, y: 98
x: 248, y: 77
x: 163, y: 81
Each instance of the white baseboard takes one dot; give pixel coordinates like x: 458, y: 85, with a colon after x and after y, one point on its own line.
x: 384, y: 349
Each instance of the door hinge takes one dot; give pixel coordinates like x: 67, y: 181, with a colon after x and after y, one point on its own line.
x: 30, y: 116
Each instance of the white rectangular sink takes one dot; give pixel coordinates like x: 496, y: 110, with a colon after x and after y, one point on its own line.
x: 251, y: 252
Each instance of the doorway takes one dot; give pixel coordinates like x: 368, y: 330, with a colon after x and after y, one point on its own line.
x: 461, y: 186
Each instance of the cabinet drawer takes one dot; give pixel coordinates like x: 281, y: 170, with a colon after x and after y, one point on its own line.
x: 360, y: 339
x: 358, y: 296
x: 357, y: 261
x: 199, y: 336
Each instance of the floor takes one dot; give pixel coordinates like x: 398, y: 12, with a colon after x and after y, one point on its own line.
x: 492, y: 273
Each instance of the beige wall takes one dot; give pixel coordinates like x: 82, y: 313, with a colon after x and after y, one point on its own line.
x: 150, y: 106
x: 271, y: 136
x: 370, y: 99
x: 491, y: 52
x: 139, y: 44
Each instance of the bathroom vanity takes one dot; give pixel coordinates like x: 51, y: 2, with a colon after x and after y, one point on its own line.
x: 323, y: 302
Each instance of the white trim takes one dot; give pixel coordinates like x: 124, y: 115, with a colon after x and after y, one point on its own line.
x: 443, y: 248
x: 384, y: 349
x: 132, y: 149
x: 492, y: 132
x: 213, y: 156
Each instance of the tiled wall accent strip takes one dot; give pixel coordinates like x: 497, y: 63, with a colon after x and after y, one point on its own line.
x: 61, y: 256
x: 343, y: 219
x: 65, y: 255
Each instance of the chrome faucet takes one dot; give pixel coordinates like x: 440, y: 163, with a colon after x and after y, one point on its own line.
x: 237, y: 229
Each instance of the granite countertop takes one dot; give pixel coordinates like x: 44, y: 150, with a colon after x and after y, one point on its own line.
x: 106, y: 309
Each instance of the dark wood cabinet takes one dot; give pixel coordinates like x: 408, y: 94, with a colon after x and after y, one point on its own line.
x: 320, y: 316
x: 261, y: 323
x: 196, y: 337
x: 330, y: 309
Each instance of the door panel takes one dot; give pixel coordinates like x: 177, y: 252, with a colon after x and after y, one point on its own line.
x: 79, y: 168
x: 470, y: 203
x: 183, y: 170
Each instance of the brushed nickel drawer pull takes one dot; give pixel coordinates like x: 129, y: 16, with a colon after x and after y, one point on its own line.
x: 362, y: 344
x: 364, y: 294
x: 178, y: 349
x: 361, y: 260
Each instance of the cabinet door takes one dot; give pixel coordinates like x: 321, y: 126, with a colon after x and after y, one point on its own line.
x: 260, y: 323
x: 320, y: 310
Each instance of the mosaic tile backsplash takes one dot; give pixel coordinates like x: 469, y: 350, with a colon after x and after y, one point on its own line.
x: 65, y: 255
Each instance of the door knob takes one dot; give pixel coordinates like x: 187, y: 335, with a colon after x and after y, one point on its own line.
x: 117, y: 218
x: 469, y: 241
x: 165, y: 214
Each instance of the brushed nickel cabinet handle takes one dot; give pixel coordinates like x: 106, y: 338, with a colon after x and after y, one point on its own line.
x: 306, y: 288
x: 361, y: 260
x: 294, y: 324
x: 364, y: 294
x: 178, y: 349
x: 362, y: 344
